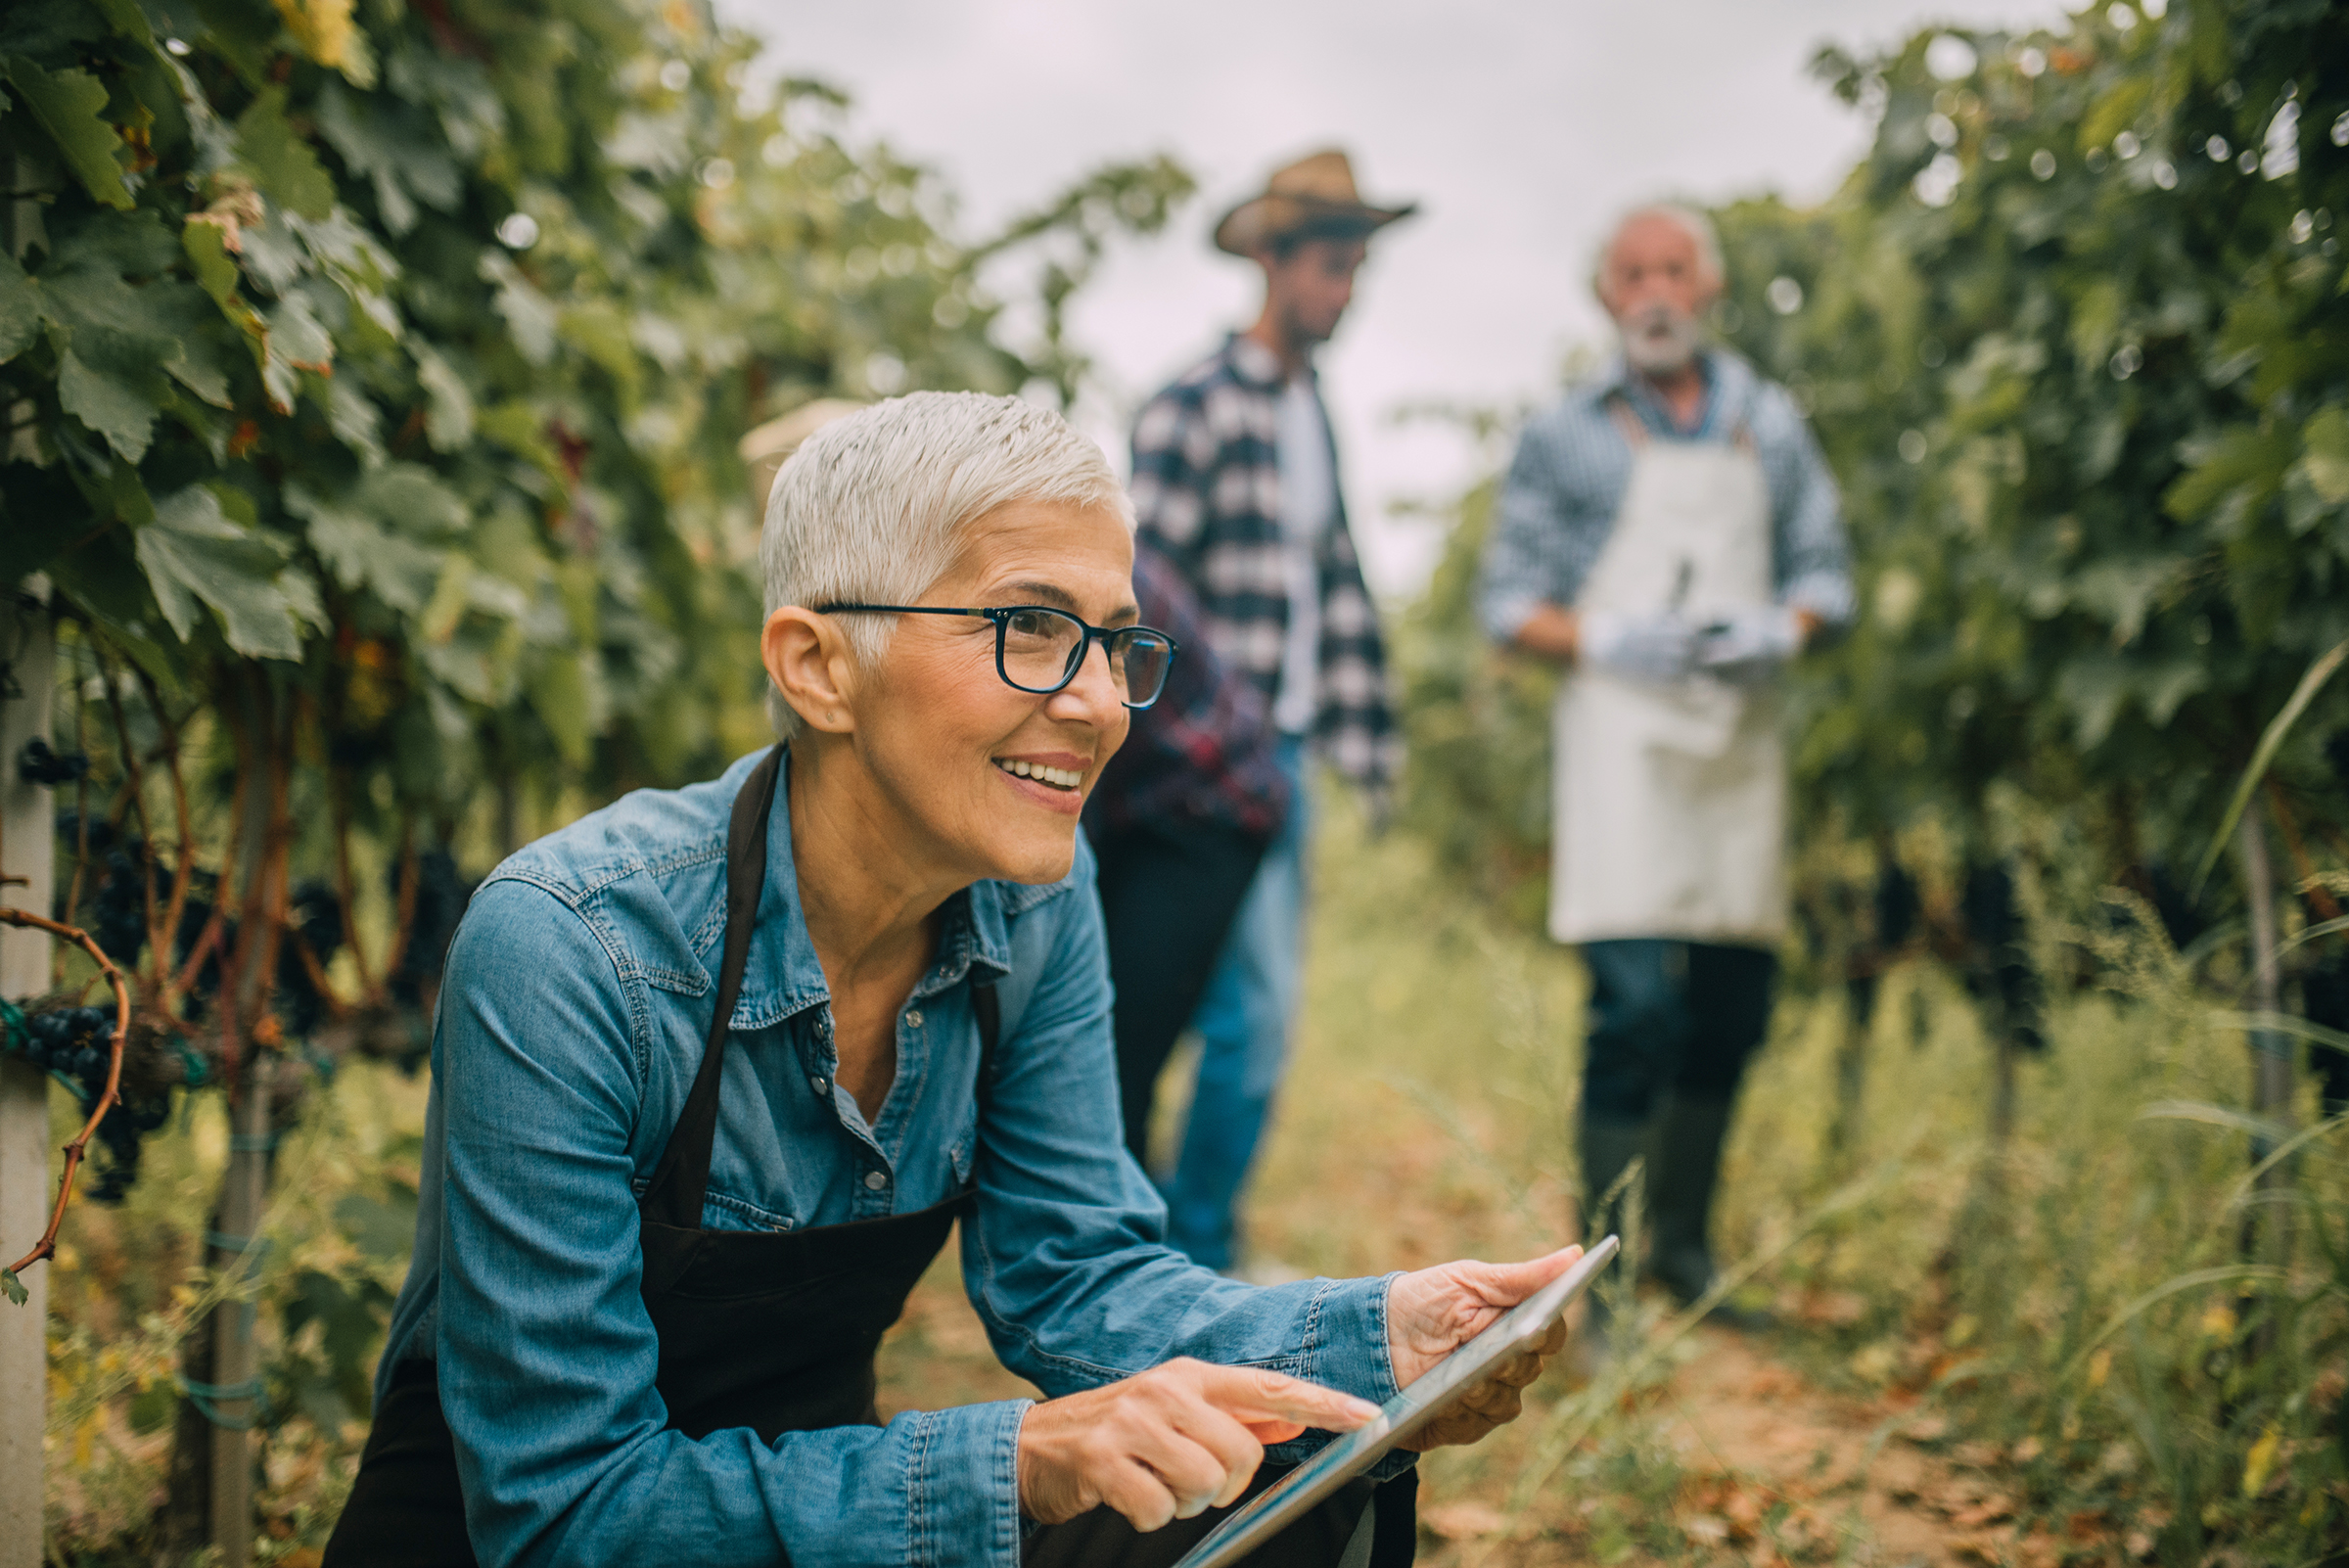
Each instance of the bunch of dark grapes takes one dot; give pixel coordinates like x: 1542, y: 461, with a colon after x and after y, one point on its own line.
x: 78, y: 1042
x: 118, y: 898
x: 317, y: 919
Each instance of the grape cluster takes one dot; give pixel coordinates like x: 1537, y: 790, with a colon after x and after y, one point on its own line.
x: 77, y: 1043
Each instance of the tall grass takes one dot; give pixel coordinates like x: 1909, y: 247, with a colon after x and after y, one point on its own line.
x: 2079, y: 1303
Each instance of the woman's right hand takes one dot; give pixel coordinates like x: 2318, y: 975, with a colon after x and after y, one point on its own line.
x: 1169, y: 1444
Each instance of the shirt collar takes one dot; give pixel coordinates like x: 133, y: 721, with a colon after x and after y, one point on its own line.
x: 1729, y: 387
x: 1253, y: 362
x: 783, y: 975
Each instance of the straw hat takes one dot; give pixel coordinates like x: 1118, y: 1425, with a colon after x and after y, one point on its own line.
x: 765, y: 447
x: 1314, y: 198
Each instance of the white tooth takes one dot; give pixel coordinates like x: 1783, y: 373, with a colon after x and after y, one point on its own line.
x: 1023, y: 769
x: 1067, y: 778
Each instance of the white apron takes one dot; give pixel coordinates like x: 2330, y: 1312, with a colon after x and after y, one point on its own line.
x: 1669, y: 803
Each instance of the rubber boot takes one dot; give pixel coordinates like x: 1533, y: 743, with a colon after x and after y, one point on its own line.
x: 1684, y: 1169
x: 1607, y: 1150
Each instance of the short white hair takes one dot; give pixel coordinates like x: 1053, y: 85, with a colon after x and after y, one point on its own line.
x: 1688, y: 219
x: 872, y: 508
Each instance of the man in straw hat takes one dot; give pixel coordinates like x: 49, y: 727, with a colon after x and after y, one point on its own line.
x: 1670, y: 534
x: 1235, y: 480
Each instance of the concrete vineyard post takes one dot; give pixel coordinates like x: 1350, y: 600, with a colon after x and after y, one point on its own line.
x: 28, y: 849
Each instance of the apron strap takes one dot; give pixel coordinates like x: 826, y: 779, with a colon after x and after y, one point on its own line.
x: 681, y: 1180
x: 682, y: 1177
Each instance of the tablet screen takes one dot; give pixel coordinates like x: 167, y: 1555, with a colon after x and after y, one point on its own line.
x: 1429, y: 1394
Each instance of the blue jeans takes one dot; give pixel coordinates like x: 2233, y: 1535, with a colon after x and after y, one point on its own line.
x: 1679, y: 1018
x: 1243, y: 1023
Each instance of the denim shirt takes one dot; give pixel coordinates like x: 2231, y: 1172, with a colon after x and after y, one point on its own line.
x: 573, y: 1016
x: 1566, y: 483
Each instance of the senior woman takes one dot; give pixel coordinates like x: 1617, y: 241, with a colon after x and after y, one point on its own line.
x: 717, y: 1070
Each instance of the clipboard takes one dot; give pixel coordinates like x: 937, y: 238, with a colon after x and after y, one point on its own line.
x: 1428, y: 1396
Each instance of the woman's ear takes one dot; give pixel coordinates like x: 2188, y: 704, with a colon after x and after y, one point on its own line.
x: 807, y: 659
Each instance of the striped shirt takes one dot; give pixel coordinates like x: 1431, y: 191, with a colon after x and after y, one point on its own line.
x: 1558, y: 504
x: 1207, y: 493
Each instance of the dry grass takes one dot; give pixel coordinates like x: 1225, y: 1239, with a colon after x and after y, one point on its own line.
x: 1939, y: 1391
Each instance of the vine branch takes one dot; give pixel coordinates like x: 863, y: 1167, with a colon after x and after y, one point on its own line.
x: 46, y: 1247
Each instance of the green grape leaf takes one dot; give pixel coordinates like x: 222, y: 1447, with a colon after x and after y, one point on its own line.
x: 11, y: 1287
x: 193, y: 554
x: 69, y: 105
x: 448, y: 403
x: 107, y: 382
x: 215, y: 271
x: 19, y: 309
x: 2325, y: 454
x: 288, y: 171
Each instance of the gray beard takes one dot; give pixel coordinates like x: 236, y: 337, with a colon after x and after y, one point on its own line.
x: 1660, y: 343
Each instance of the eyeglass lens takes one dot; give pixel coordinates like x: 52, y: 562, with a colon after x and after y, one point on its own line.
x: 1042, y: 648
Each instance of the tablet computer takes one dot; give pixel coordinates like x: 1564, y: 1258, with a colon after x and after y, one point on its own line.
x: 1431, y: 1393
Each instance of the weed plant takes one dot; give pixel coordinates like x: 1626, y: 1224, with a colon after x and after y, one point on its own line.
x: 2075, y: 1313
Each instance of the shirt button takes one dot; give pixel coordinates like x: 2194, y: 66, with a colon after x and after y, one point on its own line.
x: 874, y: 1181
x: 913, y: 1019
x: 820, y: 1084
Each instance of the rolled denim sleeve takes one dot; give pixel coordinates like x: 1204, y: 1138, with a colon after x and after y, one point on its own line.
x: 1066, y: 1262
x: 547, y: 1355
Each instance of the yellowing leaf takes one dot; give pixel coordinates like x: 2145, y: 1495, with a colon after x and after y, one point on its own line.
x: 2100, y: 1368
x: 2260, y: 1462
x: 321, y: 27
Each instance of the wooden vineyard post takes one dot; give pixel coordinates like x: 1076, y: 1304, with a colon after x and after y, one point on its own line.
x: 28, y: 849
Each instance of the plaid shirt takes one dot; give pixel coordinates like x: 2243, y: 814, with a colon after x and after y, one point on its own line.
x: 1207, y: 491
x: 1203, y: 752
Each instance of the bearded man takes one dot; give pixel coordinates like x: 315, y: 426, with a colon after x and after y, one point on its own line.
x: 1670, y: 534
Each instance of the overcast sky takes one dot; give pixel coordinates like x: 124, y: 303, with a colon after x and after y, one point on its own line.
x: 1522, y: 129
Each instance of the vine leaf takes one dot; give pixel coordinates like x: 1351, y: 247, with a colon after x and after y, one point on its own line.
x: 19, y: 309
x: 68, y: 105
x: 11, y: 1287
x: 281, y: 162
x: 194, y: 552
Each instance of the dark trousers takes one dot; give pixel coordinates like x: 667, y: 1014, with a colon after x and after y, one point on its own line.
x: 1169, y: 893
x: 1677, y: 1018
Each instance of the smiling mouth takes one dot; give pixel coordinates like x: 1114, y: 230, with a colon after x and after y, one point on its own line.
x: 1056, y: 778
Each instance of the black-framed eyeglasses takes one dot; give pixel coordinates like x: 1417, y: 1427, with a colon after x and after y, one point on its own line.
x: 1039, y: 649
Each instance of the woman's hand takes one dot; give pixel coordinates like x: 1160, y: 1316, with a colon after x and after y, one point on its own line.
x: 1169, y: 1444
x: 1436, y: 1311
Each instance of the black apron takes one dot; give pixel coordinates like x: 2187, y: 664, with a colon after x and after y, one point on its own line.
x: 771, y: 1330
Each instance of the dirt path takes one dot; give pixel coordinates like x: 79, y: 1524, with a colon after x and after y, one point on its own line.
x: 1772, y: 1469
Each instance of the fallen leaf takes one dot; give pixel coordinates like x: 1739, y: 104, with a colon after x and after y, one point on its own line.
x: 1708, y: 1530
x: 1834, y: 1308
x: 1927, y: 1430
x: 1464, y: 1520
